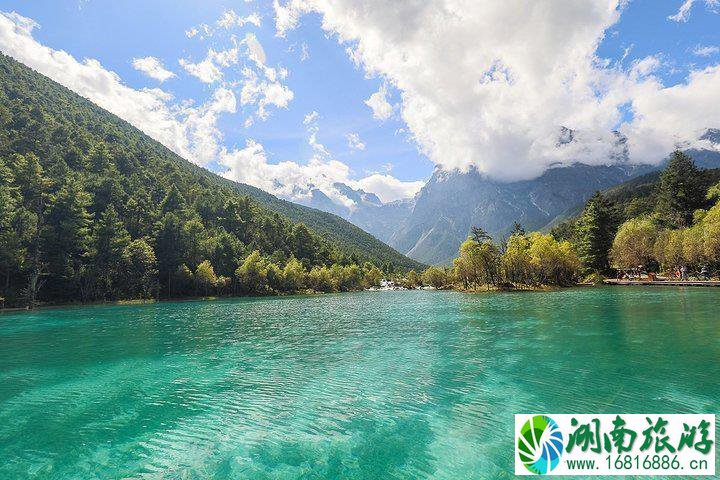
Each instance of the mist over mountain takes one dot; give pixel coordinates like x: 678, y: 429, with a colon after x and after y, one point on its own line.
x: 368, y: 212
x: 430, y: 227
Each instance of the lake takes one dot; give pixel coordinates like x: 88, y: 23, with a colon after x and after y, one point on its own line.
x: 370, y: 385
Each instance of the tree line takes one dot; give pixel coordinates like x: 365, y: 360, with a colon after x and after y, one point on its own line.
x: 520, y: 261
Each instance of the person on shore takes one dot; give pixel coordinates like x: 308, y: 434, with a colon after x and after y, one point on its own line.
x: 704, y: 273
x: 683, y: 273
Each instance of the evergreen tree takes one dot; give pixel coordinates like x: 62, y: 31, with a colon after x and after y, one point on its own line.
x: 110, y: 239
x: 679, y: 193
x: 479, y: 235
x: 66, y: 239
x: 595, y: 232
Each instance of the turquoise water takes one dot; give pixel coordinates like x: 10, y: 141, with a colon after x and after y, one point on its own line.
x: 373, y: 385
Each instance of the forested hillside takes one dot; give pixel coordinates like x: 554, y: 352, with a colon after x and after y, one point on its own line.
x: 662, y: 221
x: 91, y: 208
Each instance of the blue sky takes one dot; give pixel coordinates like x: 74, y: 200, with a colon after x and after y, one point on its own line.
x: 644, y: 51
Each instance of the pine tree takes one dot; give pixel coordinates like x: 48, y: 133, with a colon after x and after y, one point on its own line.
x: 66, y: 239
x: 680, y: 192
x: 110, y: 239
x: 595, y: 232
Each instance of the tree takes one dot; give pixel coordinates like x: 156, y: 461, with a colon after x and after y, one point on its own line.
x: 274, y: 278
x: 634, y: 243
x: 373, y: 275
x: 412, y: 279
x: 479, y: 262
x: 517, y: 229
x: 294, y: 275
x: 435, y: 277
x: 595, y: 233
x: 516, y: 261
x: 319, y: 279
x: 108, y: 244
x: 140, y: 270
x: 205, y: 278
x: 553, y: 262
x: 679, y: 193
x: 183, y: 280
x: 66, y: 239
x: 251, y: 276
x: 479, y: 235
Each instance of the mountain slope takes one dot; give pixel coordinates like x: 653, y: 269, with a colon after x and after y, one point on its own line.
x: 452, y: 202
x: 55, y: 111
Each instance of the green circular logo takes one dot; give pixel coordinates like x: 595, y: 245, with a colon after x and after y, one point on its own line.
x: 540, y: 444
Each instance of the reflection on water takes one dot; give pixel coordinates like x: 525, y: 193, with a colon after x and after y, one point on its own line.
x: 367, y: 385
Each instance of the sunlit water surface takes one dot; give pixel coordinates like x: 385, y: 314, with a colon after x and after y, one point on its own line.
x: 374, y: 385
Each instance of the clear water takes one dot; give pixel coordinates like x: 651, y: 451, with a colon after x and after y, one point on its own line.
x: 374, y: 385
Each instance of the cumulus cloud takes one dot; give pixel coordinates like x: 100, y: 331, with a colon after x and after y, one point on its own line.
x: 389, y: 188
x: 187, y: 130
x: 153, y: 68
x: 297, y: 181
x: 491, y: 85
x: 354, y: 142
x: 378, y: 102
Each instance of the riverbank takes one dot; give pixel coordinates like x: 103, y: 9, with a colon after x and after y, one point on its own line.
x: 666, y: 283
x: 47, y: 305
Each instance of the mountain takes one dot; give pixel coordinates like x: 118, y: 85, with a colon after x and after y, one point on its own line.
x: 368, y: 211
x: 430, y: 227
x: 91, y: 170
x: 452, y: 202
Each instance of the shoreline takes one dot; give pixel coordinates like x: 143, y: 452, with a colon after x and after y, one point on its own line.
x: 449, y: 288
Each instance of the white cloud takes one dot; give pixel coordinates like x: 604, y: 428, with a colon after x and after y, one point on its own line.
x: 230, y: 19
x: 256, y: 52
x: 262, y: 85
x: 490, y: 84
x: 378, y: 102
x: 189, y: 131
x: 304, y: 52
x: 205, y: 71
x: 153, y: 68
x: 683, y: 13
x: 311, y: 117
x: 706, y: 50
x: 296, y: 181
x: 388, y: 188
x: 191, y: 32
x: 209, y: 70
x: 354, y: 141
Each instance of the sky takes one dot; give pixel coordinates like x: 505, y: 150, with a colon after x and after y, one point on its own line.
x: 291, y: 95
